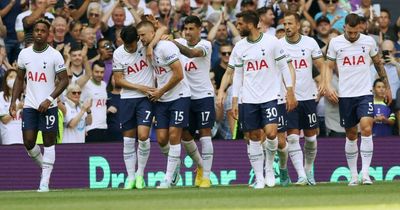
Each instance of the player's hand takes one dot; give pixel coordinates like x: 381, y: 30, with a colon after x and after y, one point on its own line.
x: 13, y: 109
x: 44, y: 106
x: 166, y: 37
x: 332, y: 95
x: 149, y: 53
x: 112, y: 109
x: 221, y: 99
x: 155, y: 94
x: 291, y: 101
x: 388, y: 97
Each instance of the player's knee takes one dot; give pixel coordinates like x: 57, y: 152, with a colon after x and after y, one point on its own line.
x: 271, y: 135
x: 254, y: 136
x: 29, y: 145
x: 143, y: 137
x: 366, y: 130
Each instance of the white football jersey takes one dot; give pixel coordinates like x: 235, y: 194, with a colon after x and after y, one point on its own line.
x: 353, y: 62
x: 11, y: 133
x: 258, y: 61
x: 77, y: 134
x: 98, y: 94
x: 197, y: 70
x: 302, y: 54
x: 165, y: 53
x: 135, y: 67
x: 41, y: 69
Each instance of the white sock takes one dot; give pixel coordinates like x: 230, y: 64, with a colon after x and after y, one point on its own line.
x: 130, y: 157
x: 174, y: 155
x: 165, y: 149
x: 49, y: 157
x: 207, y: 153
x: 310, y: 150
x: 193, y: 152
x: 366, y: 151
x: 295, y: 154
x: 283, y: 156
x: 257, y: 159
x: 36, y: 155
x: 143, y: 155
x: 272, y: 146
x: 351, y: 150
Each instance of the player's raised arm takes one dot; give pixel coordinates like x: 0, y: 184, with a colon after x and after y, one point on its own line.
x: 382, y: 74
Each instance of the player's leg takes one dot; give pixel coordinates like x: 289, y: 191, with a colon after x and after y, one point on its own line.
x: 270, y: 120
x: 190, y: 145
x: 310, y: 128
x: 48, y: 124
x: 252, y: 124
x: 207, y: 119
x: 294, y: 148
x: 144, y: 119
x: 348, y: 120
x: 365, y: 113
x: 29, y: 133
x: 282, y: 145
x: 128, y: 122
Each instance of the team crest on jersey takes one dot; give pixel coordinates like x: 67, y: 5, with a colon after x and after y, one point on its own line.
x: 263, y: 52
x: 363, y: 49
x: 44, y: 65
x: 303, y: 52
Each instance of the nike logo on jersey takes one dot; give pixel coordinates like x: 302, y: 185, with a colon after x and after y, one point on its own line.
x: 204, y: 123
x: 271, y: 119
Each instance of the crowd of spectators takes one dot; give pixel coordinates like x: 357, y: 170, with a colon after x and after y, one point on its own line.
x: 86, y: 32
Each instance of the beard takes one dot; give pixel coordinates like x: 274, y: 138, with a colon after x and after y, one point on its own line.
x: 245, y: 32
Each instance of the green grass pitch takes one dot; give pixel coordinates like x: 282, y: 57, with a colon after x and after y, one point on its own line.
x: 381, y: 195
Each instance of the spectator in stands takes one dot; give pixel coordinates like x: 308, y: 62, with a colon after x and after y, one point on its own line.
x: 10, y: 128
x: 23, y: 25
x: 280, y: 31
x: 60, y: 27
x: 78, y: 9
x: 323, y: 30
x: 105, y: 50
x: 88, y: 37
x: 94, y: 14
x: 219, y: 70
x: 118, y: 16
x: 306, y: 28
x: 95, y: 89
x: 386, y: 31
x: 384, y: 118
x: 113, y: 122
x: 248, y: 5
x: 75, y: 29
x: 334, y: 13
x: 267, y: 18
x: 365, y: 10
x: 77, y: 115
x: 77, y: 64
x: 9, y: 10
x: 218, y: 36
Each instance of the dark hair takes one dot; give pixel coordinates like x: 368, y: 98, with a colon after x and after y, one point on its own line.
x: 387, y: 11
x: 294, y: 14
x: 98, y: 63
x: 102, y: 40
x: 43, y: 21
x: 73, y: 24
x: 75, y: 48
x: 6, y: 89
x: 145, y: 23
x: 264, y: 10
x: 378, y: 80
x: 249, y: 17
x: 352, y: 20
x: 129, y: 34
x: 193, y: 19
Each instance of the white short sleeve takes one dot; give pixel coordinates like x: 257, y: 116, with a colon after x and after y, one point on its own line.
x: 117, y: 64
x: 331, y: 54
x: 316, y: 52
x: 205, y: 47
x: 374, y: 48
x: 170, y: 53
x: 59, y: 63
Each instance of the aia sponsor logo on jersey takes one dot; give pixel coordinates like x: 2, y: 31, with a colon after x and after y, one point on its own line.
x: 299, y: 64
x: 353, y: 60
x: 160, y: 70
x: 256, y: 65
x: 191, y: 66
x: 137, y: 67
x: 36, y: 76
x: 100, y: 102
